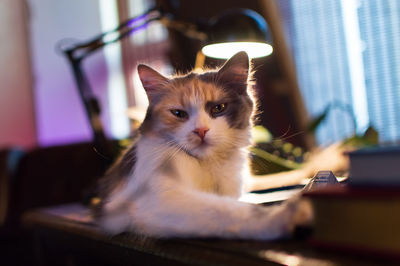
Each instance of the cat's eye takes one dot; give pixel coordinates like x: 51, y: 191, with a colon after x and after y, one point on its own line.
x: 215, y: 110
x: 179, y: 113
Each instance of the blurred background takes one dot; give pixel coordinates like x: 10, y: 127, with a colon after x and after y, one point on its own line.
x: 340, y: 53
x: 334, y: 73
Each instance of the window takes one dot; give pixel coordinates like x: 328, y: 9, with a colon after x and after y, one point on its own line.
x: 148, y: 46
x: 347, y: 55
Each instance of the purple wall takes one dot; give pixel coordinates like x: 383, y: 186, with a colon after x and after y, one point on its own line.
x: 60, y: 114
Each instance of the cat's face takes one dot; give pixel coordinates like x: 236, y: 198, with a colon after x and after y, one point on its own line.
x: 201, y: 114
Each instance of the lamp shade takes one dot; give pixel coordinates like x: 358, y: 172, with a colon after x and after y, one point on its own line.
x: 238, y: 30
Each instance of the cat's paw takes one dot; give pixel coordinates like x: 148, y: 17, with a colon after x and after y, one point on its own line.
x: 294, y: 212
x: 116, y: 221
x: 303, y: 214
x: 114, y: 224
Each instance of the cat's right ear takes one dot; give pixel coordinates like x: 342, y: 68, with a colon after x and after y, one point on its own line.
x: 235, y: 72
x: 153, y: 82
x: 236, y: 68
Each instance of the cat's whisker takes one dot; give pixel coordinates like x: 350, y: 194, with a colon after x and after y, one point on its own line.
x: 228, y: 141
x: 175, y: 151
x: 166, y: 150
x: 162, y: 147
x: 285, y: 135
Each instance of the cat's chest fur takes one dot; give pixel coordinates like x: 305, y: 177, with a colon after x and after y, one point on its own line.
x: 219, y: 175
x: 222, y: 177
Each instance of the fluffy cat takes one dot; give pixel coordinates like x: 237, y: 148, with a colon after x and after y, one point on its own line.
x: 183, y: 175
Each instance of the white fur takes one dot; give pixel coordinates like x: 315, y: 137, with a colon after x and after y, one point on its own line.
x: 196, y: 194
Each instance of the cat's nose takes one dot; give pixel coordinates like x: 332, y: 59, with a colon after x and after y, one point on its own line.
x: 201, y: 132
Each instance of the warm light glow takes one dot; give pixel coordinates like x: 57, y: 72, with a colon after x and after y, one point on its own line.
x: 227, y: 50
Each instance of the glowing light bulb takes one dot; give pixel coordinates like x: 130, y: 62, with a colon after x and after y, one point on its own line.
x: 227, y: 50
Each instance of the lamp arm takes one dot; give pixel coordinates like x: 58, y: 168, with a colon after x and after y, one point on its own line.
x: 189, y: 29
x: 81, y: 50
x: 76, y: 53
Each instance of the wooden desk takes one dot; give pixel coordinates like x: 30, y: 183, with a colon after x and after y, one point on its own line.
x: 66, y: 235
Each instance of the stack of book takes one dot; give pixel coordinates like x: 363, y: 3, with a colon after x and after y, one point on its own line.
x: 363, y: 215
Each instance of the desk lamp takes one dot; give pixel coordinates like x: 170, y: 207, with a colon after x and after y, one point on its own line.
x: 237, y: 30
x: 244, y: 29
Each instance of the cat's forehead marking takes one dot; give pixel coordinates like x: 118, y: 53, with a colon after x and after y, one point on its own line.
x: 196, y: 92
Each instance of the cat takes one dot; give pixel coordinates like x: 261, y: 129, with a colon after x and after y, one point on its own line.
x: 183, y: 175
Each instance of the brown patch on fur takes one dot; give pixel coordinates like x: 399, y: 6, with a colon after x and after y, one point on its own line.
x: 168, y: 169
x: 191, y: 88
x: 115, y: 176
x: 183, y: 92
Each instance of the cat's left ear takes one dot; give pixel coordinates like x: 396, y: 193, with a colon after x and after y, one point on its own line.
x: 153, y: 82
x: 235, y: 70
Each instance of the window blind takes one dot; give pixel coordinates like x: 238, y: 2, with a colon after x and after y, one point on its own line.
x: 347, y: 55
